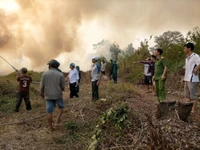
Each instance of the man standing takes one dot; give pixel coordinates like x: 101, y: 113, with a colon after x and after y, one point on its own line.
x: 115, y: 70
x: 96, y: 77
x: 191, y: 78
x: 160, y: 74
x: 111, y: 69
x: 73, y: 80
x: 23, y: 89
x: 51, y: 86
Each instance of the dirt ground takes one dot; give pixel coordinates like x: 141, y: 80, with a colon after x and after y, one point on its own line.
x: 29, y: 130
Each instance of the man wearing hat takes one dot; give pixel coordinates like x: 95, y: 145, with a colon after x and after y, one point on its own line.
x: 23, y: 89
x: 96, y: 77
x: 73, y: 80
x: 52, y: 85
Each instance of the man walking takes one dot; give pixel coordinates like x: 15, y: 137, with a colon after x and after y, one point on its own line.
x: 96, y: 77
x: 23, y: 89
x: 73, y: 80
x: 51, y: 86
x: 160, y: 74
x: 191, y: 78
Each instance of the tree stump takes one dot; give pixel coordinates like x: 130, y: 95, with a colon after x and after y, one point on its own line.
x: 165, y: 108
x: 184, y: 110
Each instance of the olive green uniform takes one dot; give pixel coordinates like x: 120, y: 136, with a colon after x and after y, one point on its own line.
x: 160, y: 64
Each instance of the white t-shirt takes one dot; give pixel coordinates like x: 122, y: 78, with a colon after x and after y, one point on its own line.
x: 95, y: 72
x: 191, y: 62
x: 146, y: 69
x: 73, y: 76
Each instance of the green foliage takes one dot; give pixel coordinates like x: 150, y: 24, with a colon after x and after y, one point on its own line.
x: 115, y: 50
x: 194, y: 36
x: 116, y: 116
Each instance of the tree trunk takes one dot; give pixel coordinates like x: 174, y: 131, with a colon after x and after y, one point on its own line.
x: 184, y: 110
x: 165, y: 109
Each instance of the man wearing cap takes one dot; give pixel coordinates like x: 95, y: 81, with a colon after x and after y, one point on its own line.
x: 73, y: 80
x: 52, y: 85
x: 96, y: 77
x: 23, y: 89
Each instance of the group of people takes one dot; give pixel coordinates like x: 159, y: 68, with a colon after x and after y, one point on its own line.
x: 53, y: 82
x: 155, y: 72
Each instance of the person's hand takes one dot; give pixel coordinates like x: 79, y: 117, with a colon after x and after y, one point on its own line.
x: 77, y: 84
x: 42, y: 95
x: 195, y: 72
x: 163, y: 77
x: 98, y: 83
x: 182, y: 81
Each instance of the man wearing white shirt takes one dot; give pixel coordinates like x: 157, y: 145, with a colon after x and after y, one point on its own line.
x: 191, y: 78
x: 73, y: 80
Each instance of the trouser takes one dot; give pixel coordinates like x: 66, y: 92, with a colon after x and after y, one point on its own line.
x: 73, y: 90
x: 95, y: 91
x: 20, y: 96
x: 115, y: 77
x: 77, y: 87
x: 160, y: 90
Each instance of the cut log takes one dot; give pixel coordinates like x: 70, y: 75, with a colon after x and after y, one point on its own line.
x: 184, y: 110
x: 165, y: 108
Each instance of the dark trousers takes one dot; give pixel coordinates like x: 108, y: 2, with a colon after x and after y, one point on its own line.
x: 115, y: 77
x: 95, y: 91
x: 25, y: 96
x: 73, y: 90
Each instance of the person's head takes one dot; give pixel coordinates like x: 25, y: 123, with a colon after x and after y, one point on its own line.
x: 77, y: 68
x: 23, y: 70
x: 189, y: 47
x: 111, y: 61
x: 72, y: 66
x: 153, y: 58
x: 158, y: 52
x: 53, y: 64
x: 94, y: 59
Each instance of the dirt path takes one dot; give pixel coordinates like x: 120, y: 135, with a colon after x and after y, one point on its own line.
x: 34, y: 134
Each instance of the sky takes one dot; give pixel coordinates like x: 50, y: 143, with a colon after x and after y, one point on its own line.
x: 32, y: 32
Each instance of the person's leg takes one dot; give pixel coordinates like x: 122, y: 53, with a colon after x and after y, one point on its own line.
x: 157, y: 89
x: 193, y: 86
x: 27, y: 101
x: 114, y: 77
x: 49, y: 108
x: 93, y: 95
x: 18, y: 101
x: 74, y: 90
x: 70, y: 88
x: 95, y: 91
x: 187, y: 92
x: 162, y: 95
x: 60, y: 104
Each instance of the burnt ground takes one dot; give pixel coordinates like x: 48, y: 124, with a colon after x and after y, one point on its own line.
x: 29, y: 130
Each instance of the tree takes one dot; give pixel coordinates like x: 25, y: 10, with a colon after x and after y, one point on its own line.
x: 172, y: 44
x: 194, y: 37
x: 115, y: 50
x: 129, y: 49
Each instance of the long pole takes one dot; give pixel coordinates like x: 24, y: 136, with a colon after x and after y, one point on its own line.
x: 9, y: 64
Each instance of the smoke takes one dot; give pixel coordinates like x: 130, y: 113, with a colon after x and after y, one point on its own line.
x: 42, y: 30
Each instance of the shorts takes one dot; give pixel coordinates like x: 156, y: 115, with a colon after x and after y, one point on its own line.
x: 148, y: 80
x: 191, y: 90
x: 50, y: 104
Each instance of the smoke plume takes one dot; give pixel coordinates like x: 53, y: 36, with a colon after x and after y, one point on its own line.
x: 44, y: 29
